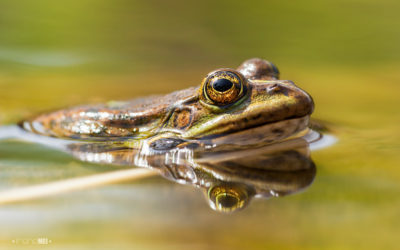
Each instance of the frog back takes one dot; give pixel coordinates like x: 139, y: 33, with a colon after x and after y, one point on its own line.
x: 137, y: 118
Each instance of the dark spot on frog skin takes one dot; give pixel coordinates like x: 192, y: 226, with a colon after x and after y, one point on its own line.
x: 277, y: 131
x: 121, y: 123
x: 129, y: 122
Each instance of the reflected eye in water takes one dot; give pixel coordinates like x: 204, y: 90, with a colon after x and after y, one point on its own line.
x: 228, y: 197
x: 223, y: 87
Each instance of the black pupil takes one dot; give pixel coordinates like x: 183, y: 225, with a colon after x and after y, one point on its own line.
x: 222, y: 84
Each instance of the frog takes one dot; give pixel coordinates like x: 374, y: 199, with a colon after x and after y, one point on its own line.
x: 243, y: 106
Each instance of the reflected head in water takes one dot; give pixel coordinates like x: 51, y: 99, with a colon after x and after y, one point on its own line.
x: 229, y: 176
x: 269, y: 171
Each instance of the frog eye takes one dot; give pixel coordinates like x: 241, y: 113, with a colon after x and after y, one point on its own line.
x: 223, y: 87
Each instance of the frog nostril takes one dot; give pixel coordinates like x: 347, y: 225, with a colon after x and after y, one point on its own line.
x: 273, y: 88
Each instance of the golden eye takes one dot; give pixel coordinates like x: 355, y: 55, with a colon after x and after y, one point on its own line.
x: 223, y: 87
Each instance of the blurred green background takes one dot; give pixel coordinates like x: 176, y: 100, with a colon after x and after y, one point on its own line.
x: 346, y: 54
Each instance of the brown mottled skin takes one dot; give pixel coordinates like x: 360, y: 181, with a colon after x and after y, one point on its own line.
x: 189, y: 113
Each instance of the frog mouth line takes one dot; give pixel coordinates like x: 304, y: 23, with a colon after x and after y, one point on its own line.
x: 268, y: 132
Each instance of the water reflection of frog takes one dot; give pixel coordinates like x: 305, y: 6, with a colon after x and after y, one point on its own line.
x: 246, y: 105
x: 229, y: 178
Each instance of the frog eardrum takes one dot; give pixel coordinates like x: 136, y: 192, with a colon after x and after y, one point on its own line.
x: 223, y: 87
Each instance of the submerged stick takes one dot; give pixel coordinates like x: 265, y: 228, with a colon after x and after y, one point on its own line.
x: 73, y: 184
